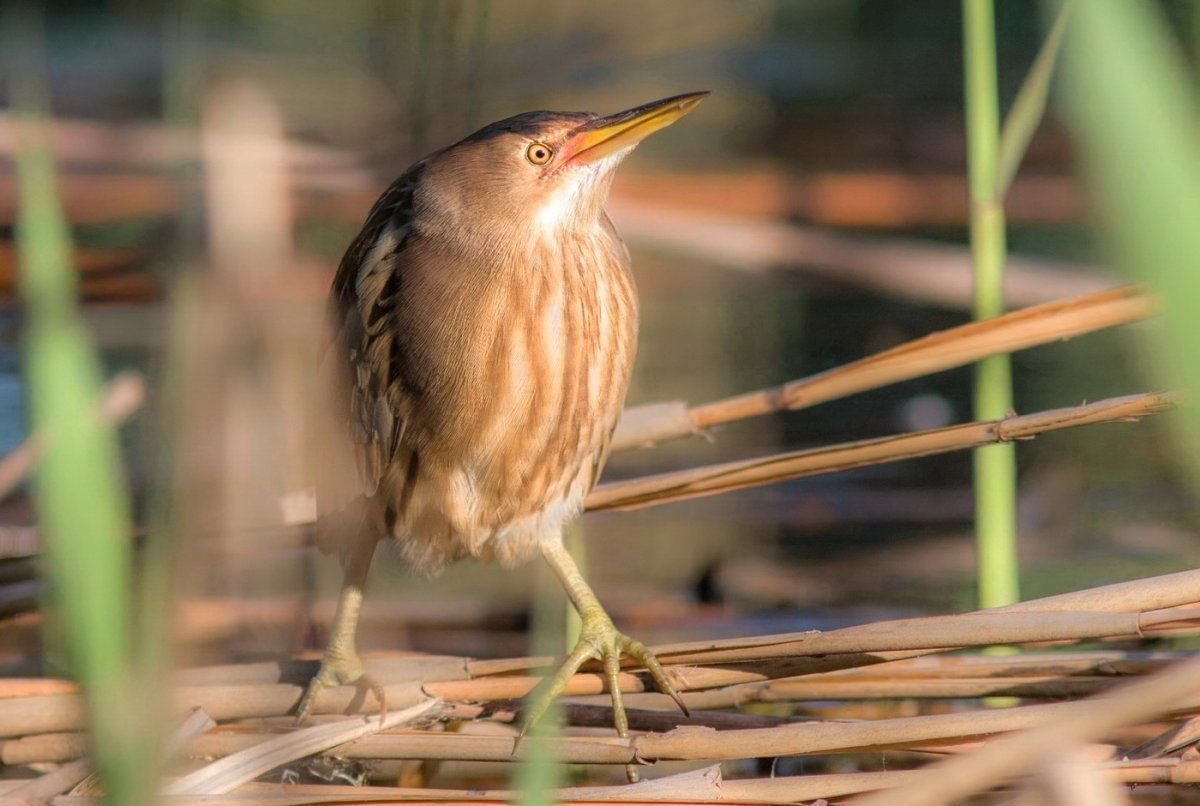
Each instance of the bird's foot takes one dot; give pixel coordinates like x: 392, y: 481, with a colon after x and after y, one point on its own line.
x: 600, y: 640
x: 340, y: 667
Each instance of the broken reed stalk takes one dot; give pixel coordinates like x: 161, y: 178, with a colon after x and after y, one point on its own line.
x: 983, y: 628
x: 699, y: 786
x: 225, y: 775
x: 875, y: 682
x: 1054, y: 675
x: 53, y: 783
x: 788, y: 656
x: 194, y: 724
x: 65, y: 746
x: 798, y: 689
x: 710, y: 786
x: 691, y: 744
x: 946, y: 349
x: 1035, y: 675
x: 713, y: 479
x: 1154, y: 593
x: 1171, y: 690
x: 255, y: 692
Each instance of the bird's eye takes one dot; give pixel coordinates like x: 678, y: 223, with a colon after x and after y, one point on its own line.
x: 539, y: 153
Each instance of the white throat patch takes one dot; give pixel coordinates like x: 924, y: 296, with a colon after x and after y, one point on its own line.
x: 564, y: 205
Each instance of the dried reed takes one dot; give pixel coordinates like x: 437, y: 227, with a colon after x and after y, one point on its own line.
x: 713, y: 479
x: 955, y: 347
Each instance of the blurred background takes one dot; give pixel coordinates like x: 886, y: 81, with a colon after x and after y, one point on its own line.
x: 217, y: 157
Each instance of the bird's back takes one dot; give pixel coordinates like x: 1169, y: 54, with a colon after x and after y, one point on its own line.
x: 483, y: 381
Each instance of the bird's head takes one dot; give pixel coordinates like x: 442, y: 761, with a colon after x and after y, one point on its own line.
x: 539, y: 171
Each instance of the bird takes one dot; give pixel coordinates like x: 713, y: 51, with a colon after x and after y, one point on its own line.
x: 483, y: 331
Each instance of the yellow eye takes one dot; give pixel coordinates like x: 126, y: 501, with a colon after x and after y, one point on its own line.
x: 539, y: 153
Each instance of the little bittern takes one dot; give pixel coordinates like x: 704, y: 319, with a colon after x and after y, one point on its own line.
x: 485, y: 325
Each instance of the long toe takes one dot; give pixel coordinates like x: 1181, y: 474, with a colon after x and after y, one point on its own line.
x: 639, y: 651
x: 340, y: 671
x: 548, y: 690
x: 612, y: 671
x: 599, y: 640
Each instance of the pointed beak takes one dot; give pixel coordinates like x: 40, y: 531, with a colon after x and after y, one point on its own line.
x: 601, y: 137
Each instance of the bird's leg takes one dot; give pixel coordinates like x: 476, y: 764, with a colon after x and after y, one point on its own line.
x: 340, y: 665
x: 598, y: 640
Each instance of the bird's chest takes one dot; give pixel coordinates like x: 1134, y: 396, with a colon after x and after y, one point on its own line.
x: 522, y: 381
x: 568, y: 344
x: 532, y: 364
x: 585, y: 333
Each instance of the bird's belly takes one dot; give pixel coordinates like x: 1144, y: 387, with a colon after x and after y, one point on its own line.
x: 531, y: 419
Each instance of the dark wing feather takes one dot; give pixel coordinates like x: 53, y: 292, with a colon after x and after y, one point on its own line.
x: 363, y: 356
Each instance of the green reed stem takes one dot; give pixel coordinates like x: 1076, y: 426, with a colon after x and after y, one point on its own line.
x: 1133, y: 102
x: 995, y: 465
x: 81, y: 499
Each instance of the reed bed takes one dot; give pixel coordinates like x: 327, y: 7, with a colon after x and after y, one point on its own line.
x: 1071, y: 692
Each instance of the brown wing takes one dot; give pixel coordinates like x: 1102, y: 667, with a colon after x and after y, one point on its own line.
x: 362, y: 366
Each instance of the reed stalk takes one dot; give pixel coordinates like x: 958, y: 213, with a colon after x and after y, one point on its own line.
x: 995, y: 465
x: 712, y: 479
x: 1123, y: 609
x: 803, y: 738
x: 1037, y: 745
x: 80, y: 493
x: 1037, y: 325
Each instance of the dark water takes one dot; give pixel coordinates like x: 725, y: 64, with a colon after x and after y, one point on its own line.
x: 12, y: 420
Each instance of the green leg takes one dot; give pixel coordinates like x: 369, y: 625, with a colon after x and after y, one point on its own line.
x: 598, y: 640
x: 340, y: 665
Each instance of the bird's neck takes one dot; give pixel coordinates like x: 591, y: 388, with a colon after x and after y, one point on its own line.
x: 522, y: 241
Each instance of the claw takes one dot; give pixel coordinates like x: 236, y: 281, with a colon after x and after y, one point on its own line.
x: 598, y: 640
x: 638, y: 650
x: 339, y: 671
x: 368, y: 683
x: 306, y: 702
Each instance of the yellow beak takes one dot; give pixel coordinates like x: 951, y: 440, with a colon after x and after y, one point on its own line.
x: 601, y: 137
